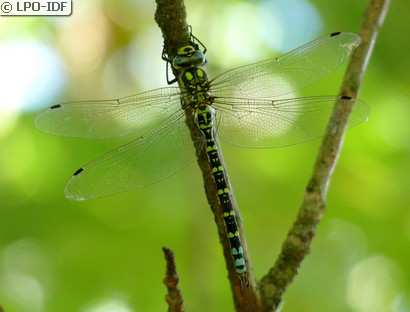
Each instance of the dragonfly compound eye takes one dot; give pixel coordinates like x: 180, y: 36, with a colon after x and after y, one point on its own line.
x: 188, y: 58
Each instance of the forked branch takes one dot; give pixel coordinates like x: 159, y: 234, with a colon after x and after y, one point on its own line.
x: 297, y: 244
x: 171, y: 16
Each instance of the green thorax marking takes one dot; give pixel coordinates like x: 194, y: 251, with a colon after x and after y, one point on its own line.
x: 196, y: 85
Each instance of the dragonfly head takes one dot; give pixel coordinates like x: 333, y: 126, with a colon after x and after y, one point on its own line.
x: 188, y: 57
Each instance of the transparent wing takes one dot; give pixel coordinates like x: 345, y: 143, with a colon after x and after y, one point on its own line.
x: 260, y: 123
x: 139, y: 163
x: 110, y: 118
x: 293, y: 71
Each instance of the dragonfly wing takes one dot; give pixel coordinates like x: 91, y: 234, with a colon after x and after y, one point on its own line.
x: 277, y: 77
x: 139, y: 163
x: 110, y: 118
x: 259, y: 123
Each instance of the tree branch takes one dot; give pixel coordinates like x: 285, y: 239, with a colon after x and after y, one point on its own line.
x: 297, y: 244
x: 170, y: 16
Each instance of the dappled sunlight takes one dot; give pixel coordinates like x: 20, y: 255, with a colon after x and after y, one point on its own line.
x: 391, y: 120
x: 112, y: 303
x: 22, y: 291
x: 349, y: 238
x: 26, y: 275
x: 289, y: 17
x: 129, y: 12
x: 85, y: 52
x: 144, y: 59
x: 9, y: 122
x: 374, y: 285
x: 124, y: 69
x: 31, y: 73
x: 270, y: 25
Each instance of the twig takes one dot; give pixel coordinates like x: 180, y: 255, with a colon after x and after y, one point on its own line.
x: 297, y: 244
x: 174, y: 297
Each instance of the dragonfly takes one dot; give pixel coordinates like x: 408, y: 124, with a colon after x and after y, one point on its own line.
x: 254, y: 106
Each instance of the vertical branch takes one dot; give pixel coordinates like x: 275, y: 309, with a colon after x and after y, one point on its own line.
x: 171, y: 18
x: 297, y: 244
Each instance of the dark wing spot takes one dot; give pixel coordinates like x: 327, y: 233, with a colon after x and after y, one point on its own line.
x: 78, y: 171
x: 335, y: 34
x: 55, y: 106
x: 345, y: 97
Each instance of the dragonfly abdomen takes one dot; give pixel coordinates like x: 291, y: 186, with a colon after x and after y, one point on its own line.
x: 198, y: 97
x: 205, y: 117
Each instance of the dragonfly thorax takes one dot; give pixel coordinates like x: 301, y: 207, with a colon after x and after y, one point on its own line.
x: 188, y: 57
x: 196, y: 85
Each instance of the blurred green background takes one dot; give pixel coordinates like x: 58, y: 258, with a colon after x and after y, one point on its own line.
x: 105, y: 255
